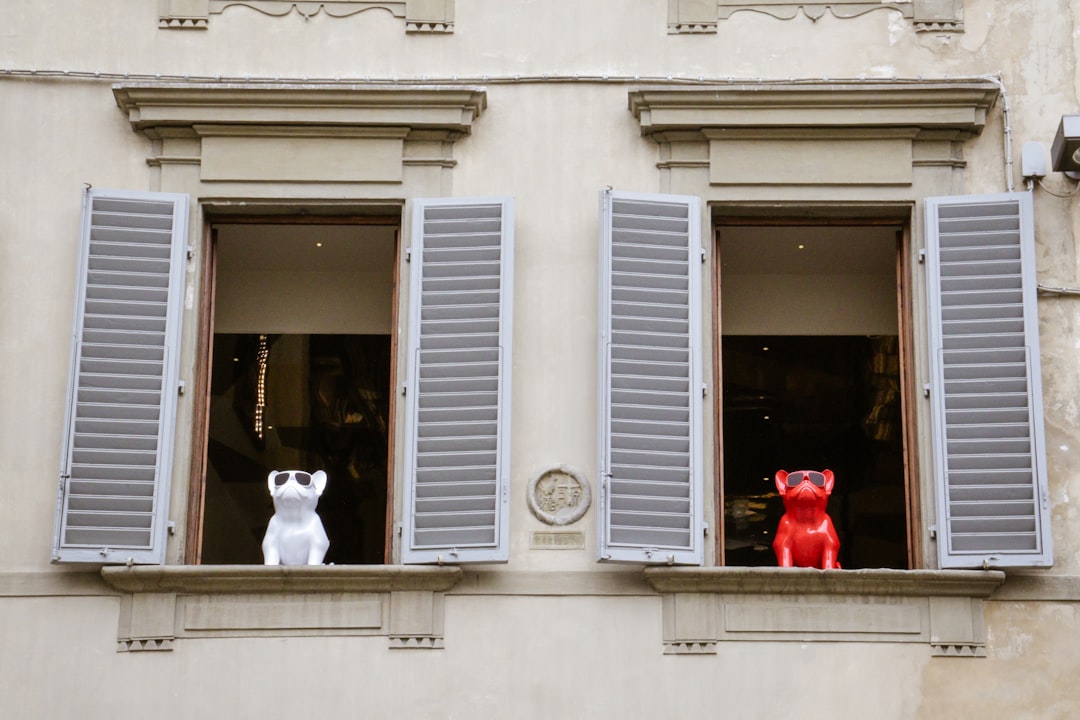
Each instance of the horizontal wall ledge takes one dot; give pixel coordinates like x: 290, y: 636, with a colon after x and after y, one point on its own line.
x: 1026, y: 587
x: 809, y: 581
x: 620, y: 581
x: 277, y: 578
x: 54, y: 583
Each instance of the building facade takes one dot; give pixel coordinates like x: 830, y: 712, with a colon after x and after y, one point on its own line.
x: 552, y: 292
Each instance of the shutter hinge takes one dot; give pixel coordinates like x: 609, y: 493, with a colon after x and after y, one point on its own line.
x: 404, y: 389
x: 933, y: 532
x: 399, y: 528
x: 190, y: 252
x: 922, y: 256
x: 172, y: 527
x: 704, y: 390
x: 926, y: 390
x: 408, y: 254
x: 705, y: 529
x: 180, y: 387
x: 702, y: 254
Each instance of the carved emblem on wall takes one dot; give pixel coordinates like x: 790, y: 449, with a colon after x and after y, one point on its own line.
x: 559, y: 495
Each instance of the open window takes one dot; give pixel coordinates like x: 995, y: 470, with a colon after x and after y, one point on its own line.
x: 813, y: 330
x: 305, y: 355
x: 297, y: 367
x: 300, y: 378
x: 812, y: 359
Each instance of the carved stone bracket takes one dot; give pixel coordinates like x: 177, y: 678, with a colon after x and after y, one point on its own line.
x: 161, y: 604
x: 420, y: 16
x: 701, y: 16
x: 704, y: 606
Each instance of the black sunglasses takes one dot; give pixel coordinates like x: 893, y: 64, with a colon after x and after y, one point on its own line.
x: 301, y: 477
x: 812, y: 475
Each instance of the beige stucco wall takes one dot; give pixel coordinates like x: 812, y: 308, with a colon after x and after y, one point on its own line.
x: 551, y: 142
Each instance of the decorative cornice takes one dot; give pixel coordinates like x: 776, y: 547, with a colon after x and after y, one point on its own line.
x: 941, y: 106
x: 172, y: 109
x: 223, y: 579
x: 701, y: 16
x: 808, y: 581
x: 420, y: 16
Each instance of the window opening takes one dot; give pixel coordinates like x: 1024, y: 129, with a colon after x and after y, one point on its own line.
x: 811, y: 366
x: 300, y: 377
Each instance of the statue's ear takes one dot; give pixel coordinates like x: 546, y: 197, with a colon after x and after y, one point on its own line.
x: 270, y: 481
x: 781, y: 482
x: 319, y: 478
x: 829, y: 481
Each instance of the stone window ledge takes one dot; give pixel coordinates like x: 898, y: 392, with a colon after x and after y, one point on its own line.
x: 162, y: 603
x: 942, y: 608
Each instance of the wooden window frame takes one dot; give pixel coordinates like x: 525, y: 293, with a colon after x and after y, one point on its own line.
x: 192, y: 552
x: 904, y: 305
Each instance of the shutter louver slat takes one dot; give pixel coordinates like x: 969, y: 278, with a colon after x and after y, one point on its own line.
x: 992, y: 499
x: 458, y: 416
x: 650, y: 405
x: 118, y: 445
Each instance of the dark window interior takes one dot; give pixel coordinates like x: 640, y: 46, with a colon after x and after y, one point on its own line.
x: 299, y: 380
x: 810, y: 403
x: 811, y: 380
x: 293, y: 401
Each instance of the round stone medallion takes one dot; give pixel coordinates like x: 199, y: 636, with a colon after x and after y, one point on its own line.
x: 559, y: 495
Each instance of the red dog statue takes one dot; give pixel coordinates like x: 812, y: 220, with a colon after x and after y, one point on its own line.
x: 806, y: 536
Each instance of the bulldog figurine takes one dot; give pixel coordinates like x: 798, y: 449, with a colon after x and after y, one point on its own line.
x: 295, y: 535
x: 806, y: 536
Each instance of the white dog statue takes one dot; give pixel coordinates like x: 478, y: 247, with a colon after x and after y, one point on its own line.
x: 295, y: 535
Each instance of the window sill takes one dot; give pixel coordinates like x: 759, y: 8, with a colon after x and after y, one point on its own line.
x: 162, y: 603
x: 942, y: 608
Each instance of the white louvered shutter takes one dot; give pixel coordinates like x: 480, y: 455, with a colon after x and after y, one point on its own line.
x: 117, y: 455
x: 990, y: 467
x: 650, y: 376
x: 458, y: 391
